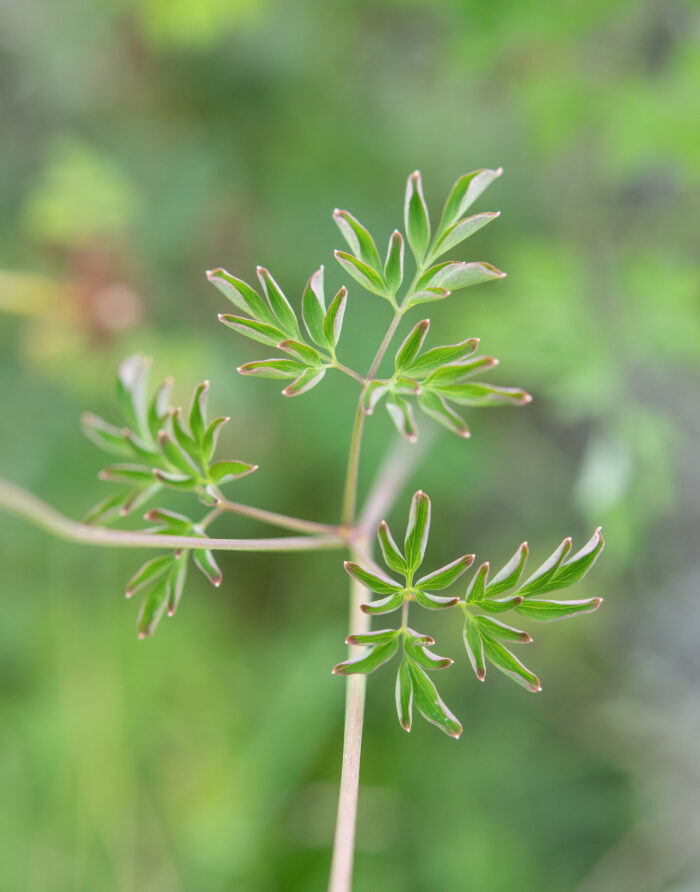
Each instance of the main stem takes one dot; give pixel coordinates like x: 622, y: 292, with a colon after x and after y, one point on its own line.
x: 344, y: 842
x: 346, y: 821
x: 24, y: 504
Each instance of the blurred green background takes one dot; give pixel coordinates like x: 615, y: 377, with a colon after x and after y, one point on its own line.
x: 144, y: 142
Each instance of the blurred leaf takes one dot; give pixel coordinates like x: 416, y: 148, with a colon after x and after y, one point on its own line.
x: 362, y: 273
x: 375, y: 582
x: 417, y: 530
x: 358, y: 238
x: 148, y: 573
x: 374, y: 656
x: 445, y: 576
x: 411, y: 346
x: 456, y: 234
x: 279, y: 304
x: 401, y: 413
x: 416, y: 217
x: 153, y: 607
x: 546, y: 611
x: 464, y: 193
x: 333, y: 323
x: 390, y: 550
x: 454, y: 275
x: 393, y: 267
x: 306, y: 381
x: 314, y: 309
x: 430, y: 704
x: 272, y: 368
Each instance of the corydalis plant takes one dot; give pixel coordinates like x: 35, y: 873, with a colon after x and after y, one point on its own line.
x: 158, y: 448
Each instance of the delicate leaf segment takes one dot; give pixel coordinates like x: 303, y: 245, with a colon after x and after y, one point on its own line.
x: 437, y: 378
x: 486, y: 639
x: 161, y: 450
x: 272, y: 321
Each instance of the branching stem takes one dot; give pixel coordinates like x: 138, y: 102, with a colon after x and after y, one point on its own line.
x: 279, y: 520
x: 17, y: 500
x: 344, y: 841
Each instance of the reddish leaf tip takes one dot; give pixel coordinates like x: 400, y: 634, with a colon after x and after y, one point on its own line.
x: 143, y: 635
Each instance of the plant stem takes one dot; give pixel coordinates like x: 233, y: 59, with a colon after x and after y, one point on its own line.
x: 279, y: 520
x: 344, y: 842
x: 17, y: 500
x: 349, y: 372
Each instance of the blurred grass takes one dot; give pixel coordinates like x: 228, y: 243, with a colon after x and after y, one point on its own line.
x: 146, y: 142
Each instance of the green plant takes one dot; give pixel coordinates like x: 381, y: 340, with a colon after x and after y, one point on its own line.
x: 157, y: 450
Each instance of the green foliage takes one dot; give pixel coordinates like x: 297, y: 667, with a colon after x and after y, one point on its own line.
x: 161, y: 448
x: 169, y: 452
x: 272, y: 321
x: 161, y: 451
x: 483, y: 635
x: 435, y: 379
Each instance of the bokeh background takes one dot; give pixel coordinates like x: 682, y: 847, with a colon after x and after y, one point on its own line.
x: 145, y: 141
